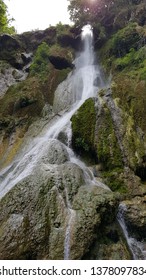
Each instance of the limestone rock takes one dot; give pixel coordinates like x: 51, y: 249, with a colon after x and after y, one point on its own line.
x: 63, y: 97
x: 35, y: 212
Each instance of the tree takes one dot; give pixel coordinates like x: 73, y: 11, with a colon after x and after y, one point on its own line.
x: 101, y: 11
x: 4, y: 21
x: 83, y: 11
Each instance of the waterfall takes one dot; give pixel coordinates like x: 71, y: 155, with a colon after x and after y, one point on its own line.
x: 83, y: 87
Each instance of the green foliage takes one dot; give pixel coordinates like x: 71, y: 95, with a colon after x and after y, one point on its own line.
x: 103, y: 11
x: 4, y: 21
x: 126, y: 51
x: 84, y: 11
x: 40, y: 65
x: 135, y: 61
x: 125, y: 39
x: 62, y: 28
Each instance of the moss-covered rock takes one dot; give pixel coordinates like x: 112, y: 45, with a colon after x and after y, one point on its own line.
x: 93, y: 133
x: 107, y: 146
x: 91, y: 204
x: 83, y: 127
x: 21, y: 106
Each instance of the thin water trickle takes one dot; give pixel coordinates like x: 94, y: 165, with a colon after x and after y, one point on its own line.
x: 135, y: 247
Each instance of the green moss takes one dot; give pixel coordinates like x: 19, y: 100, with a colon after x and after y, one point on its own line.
x: 83, y: 127
x: 108, y: 151
x: 28, y: 90
x: 113, y: 180
x: 130, y: 94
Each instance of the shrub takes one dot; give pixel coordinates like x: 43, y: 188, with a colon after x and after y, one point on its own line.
x: 40, y: 65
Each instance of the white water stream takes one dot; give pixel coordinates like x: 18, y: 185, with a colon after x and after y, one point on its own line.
x: 83, y: 87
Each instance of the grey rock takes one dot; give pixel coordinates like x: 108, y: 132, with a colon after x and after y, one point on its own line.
x: 63, y: 97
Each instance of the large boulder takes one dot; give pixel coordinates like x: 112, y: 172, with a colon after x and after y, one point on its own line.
x: 50, y: 201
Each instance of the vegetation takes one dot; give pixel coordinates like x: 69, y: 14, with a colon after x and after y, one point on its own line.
x: 110, y: 13
x: 40, y: 65
x: 83, y: 126
x: 4, y: 21
x: 83, y: 11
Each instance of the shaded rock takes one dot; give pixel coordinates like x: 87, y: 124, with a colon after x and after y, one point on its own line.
x: 26, y: 57
x: 47, y: 110
x: 109, y: 244
x: 60, y: 62
x: 9, y: 76
x: 8, y: 43
x: 135, y: 216
x: 31, y: 40
x: 23, y: 102
x: 69, y: 40
x: 94, y: 207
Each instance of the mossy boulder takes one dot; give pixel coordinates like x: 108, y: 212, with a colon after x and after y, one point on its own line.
x: 93, y: 133
x: 60, y: 57
x: 107, y: 132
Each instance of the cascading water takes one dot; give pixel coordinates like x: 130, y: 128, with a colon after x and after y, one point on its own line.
x: 85, y: 73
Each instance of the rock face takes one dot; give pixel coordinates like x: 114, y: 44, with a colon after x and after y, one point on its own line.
x: 34, y: 224
x: 9, y: 76
x: 63, y: 97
